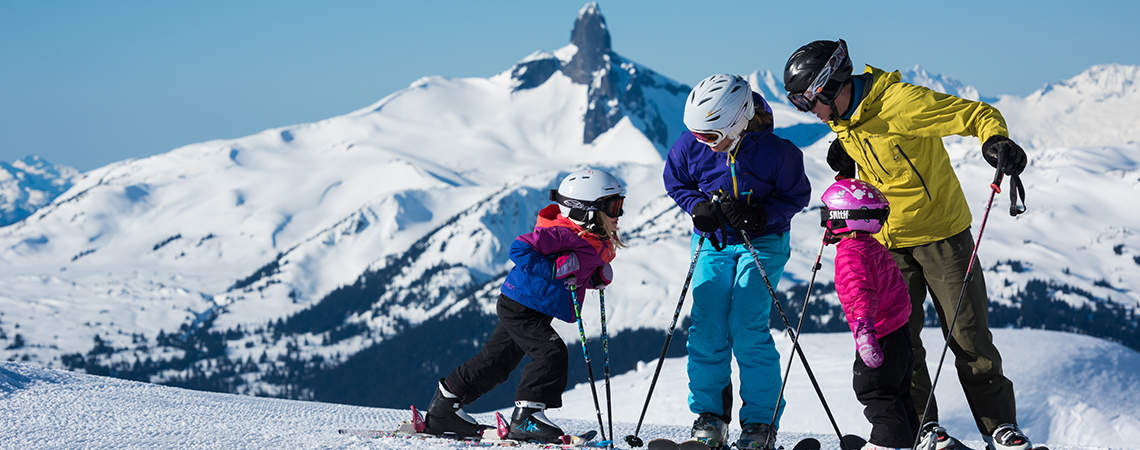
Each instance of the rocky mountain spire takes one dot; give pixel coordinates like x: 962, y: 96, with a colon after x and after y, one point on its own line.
x: 592, y: 38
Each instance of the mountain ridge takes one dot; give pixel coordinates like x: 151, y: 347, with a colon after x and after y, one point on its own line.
x: 264, y: 263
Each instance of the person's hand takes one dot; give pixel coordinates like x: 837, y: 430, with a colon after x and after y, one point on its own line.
x: 704, y: 217
x: 840, y: 161
x: 601, y: 277
x: 867, y: 345
x: 1000, y: 149
x: 565, y: 265
x: 741, y: 216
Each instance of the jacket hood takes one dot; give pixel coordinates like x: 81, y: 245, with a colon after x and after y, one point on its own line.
x: 550, y: 216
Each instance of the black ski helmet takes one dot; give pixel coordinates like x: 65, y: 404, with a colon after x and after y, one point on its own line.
x: 806, y: 63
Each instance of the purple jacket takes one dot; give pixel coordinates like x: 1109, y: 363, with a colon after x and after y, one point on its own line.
x: 531, y: 282
x: 768, y: 171
x: 870, y: 285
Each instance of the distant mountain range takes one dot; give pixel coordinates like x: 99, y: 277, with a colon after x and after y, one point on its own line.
x: 357, y: 258
x: 29, y: 183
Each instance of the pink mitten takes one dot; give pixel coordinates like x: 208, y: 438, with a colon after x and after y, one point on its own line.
x: 867, y: 345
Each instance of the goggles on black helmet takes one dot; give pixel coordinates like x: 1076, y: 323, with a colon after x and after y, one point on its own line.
x: 806, y: 100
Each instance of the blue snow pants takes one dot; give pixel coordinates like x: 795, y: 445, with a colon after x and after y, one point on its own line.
x: 730, y: 316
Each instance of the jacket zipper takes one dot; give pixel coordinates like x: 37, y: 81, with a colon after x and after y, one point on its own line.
x: 865, y: 158
x: 915, y: 169
x: 876, y: 157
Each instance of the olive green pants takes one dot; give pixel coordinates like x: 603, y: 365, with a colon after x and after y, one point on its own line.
x: 939, y: 268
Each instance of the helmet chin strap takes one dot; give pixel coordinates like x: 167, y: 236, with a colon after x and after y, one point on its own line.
x: 585, y: 219
x: 830, y: 102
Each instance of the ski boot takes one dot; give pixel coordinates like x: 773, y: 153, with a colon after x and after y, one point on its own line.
x: 758, y: 436
x: 446, y: 416
x: 710, y: 429
x: 530, y: 424
x: 934, y: 437
x: 1008, y: 437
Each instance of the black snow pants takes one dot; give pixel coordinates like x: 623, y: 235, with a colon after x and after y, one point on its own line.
x: 885, y: 392
x: 521, y: 331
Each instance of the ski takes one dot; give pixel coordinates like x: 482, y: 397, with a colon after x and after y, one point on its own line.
x: 491, y: 437
x: 662, y: 444
x: 808, y: 444
x: 851, y: 442
x: 666, y: 444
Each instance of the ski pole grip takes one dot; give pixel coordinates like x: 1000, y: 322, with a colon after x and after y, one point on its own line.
x: 996, y: 184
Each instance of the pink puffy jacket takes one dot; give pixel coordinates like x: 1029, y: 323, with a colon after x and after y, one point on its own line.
x: 870, y: 285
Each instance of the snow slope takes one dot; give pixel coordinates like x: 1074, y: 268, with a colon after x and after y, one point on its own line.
x: 302, y: 248
x: 1081, y: 396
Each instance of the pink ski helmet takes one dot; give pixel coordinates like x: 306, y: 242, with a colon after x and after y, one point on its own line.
x: 853, y: 205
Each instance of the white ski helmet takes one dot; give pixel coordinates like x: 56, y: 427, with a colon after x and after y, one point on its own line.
x: 588, y: 190
x: 719, y: 108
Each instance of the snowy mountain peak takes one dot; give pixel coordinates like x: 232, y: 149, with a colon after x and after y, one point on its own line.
x: 29, y: 183
x: 592, y: 39
x: 769, y: 85
x: 941, y: 83
x: 1098, y: 83
x: 617, y: 88
x: 1096, y: 107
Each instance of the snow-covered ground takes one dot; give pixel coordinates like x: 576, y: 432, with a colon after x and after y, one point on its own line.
x: 1074, y: 392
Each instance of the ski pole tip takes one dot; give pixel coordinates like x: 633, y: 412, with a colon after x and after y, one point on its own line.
x: 633, y: 441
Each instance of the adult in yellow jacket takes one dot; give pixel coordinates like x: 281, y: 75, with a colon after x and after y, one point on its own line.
x: 892, y: 131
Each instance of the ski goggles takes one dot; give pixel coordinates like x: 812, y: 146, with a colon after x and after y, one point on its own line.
x: 611, y: 205
x: 711, y: 138
x: 806, y: 100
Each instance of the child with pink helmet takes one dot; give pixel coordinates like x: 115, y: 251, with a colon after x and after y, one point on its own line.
x: 877, y: 305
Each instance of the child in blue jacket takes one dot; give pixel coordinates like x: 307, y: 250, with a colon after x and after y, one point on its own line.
x: 572, y: 243
x: 733, y: 175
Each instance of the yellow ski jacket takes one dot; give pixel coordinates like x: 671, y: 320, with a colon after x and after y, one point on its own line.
x: 895, y: 138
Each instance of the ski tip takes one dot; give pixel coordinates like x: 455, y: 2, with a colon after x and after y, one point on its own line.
x: 808, y: 444
x: 663, y: 444
x: 501, y: 426
x: 698, y: 445
x: 417, y: 420
x: 852, y: 442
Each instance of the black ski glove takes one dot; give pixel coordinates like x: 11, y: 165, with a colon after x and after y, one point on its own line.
x: 741, y: 216
x: 1001, y: 149
x: 704, y: 217
x: 840, y: 161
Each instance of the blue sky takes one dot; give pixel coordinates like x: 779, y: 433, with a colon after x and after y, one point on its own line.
x: 89, y: 83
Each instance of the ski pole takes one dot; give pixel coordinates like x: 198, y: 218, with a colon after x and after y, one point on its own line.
x: 632, y: 439
x: 795, y: 340
x: 606, y: 362
x: 995, y: 187
x: 788, y: 326
x: 586, y: 353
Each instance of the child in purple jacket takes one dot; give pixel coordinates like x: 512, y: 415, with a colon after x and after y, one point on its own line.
x: 572, y: 244
x: 877, y: 305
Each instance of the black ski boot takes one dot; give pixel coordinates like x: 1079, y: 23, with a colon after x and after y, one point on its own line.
x: 529, y: 423
x: 710, y: 429
x: 446, y: 415
x: 758, y: 436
